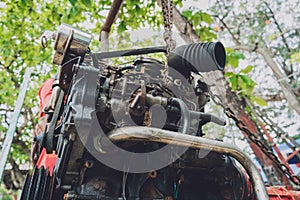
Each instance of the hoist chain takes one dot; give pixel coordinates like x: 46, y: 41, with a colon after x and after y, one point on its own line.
x: 280, y: 133
x: 253, y: 138
x: 167, y: 11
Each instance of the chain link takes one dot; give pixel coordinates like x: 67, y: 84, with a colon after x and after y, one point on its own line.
x: 280, y: 133
x: 167, y: 11
x: 253, y: 138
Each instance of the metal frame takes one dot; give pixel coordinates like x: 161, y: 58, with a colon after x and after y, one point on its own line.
x: 175, y: 138
x: 13, y: 124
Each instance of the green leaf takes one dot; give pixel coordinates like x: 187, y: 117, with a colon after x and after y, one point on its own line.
x: 233, y: 57
x: 229, y: 74
x: 196, y: 19
x: 239, y: 55
x: 247, y: 80
x: 73, y: 2
x: 234, y: 62
x: 187, y: 13
x: 259, y: 101
x: 233, y: 80
x: 137, y: 9
x: 274, y: 36
x: 207, y: 34
x: 122, y: 27
x: 247, y: 69
x: 87, y: 3
x: 206, y: 18
x: 295, y: 58
x: 6, y: 52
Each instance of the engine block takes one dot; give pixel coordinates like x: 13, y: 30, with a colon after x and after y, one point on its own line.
x: 134, y: 130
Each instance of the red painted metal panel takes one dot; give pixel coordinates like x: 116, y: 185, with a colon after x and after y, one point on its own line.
x: 281, y: 193
x: 47, y: 161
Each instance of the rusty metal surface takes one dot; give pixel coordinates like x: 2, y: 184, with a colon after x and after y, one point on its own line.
x: 70, y: 42
x: 114, y: 9
x: 280, y: 192
x: 170, y: 137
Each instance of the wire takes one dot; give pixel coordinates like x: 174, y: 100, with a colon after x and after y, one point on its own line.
x: 125, y: 175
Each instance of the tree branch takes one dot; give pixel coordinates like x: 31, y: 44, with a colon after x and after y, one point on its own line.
x: 184, y: 27
x: 286, y: 31
x: 281, y: 78
x: 6, y: 110
x: 284, y: 40
x: 236, y: 40
x: 22, y: 127
x: 33, y: 124
x: 16, y: 174
x: 23, y: 145
x: 277, y: 97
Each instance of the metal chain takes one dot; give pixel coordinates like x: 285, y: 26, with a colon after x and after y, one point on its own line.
x: 252, y: 136
x: 167, y: 11
x: 280, y: 133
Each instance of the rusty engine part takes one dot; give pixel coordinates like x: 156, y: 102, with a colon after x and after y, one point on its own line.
x: 105, y: 113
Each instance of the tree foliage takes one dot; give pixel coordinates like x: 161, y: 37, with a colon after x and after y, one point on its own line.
x: 265, y: 29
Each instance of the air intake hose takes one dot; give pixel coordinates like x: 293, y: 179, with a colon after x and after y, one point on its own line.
x: 198, y: 57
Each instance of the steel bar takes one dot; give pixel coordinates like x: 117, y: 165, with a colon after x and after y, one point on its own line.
x: 13, y: 124
x: 114, y: 9
x: 292, y: 154
x: 174, y: 138
x: 105, y: 29
x: 104, y: 41
x: 130, y: 52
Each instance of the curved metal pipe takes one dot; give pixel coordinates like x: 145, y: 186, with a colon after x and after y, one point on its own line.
x: 208, y: 117
x: 185, y: 114
x: 170, y: 137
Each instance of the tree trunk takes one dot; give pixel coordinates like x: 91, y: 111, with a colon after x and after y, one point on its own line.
x: 288, y: 93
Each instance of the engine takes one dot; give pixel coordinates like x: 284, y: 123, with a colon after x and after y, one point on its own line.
x: 133, y: 130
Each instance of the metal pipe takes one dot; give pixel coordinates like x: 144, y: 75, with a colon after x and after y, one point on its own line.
x: 114, y: 9
x: 13, y: 123
x: 131, y: 52
x: 185, y: 114
x: 169, y: 137
x: 292, y: 155
x: 104, y: 32
x: 209, y: 117
x: 104, y: 41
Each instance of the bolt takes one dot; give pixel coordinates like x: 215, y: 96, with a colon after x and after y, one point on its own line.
x: 96, y: 186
